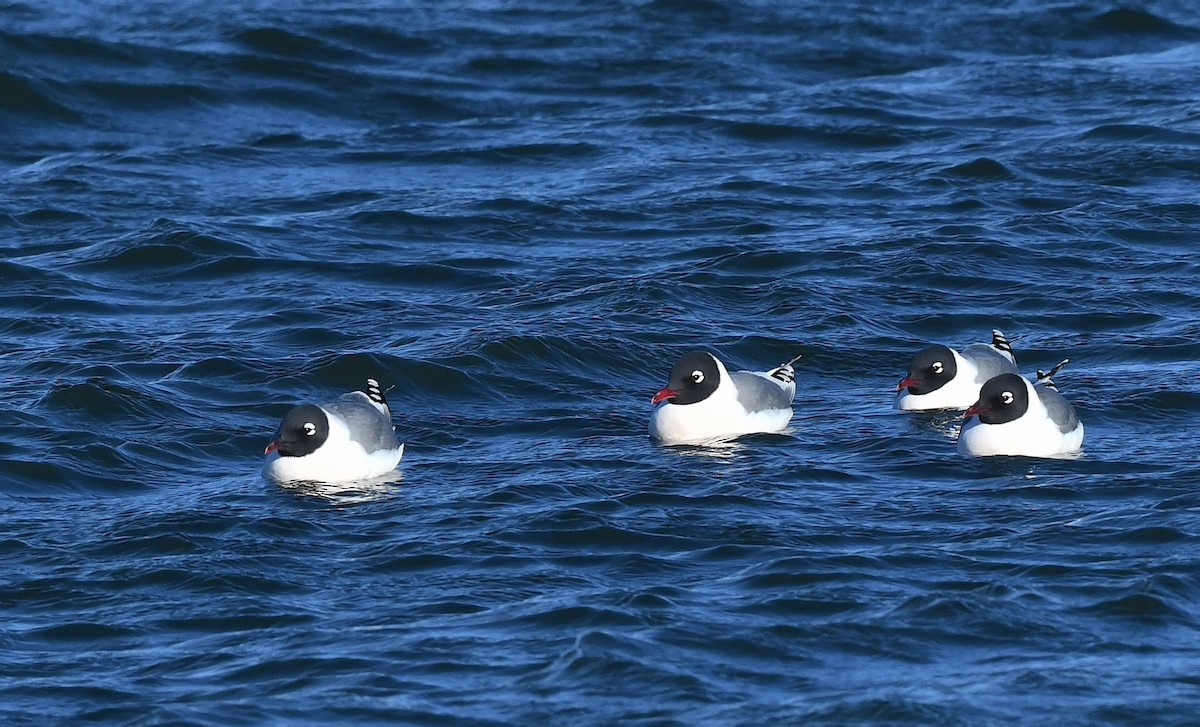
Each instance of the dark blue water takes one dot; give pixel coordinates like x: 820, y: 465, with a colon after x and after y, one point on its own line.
x: 519, y: 214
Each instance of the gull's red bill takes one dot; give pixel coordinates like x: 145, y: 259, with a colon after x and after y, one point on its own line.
x: 975, y: 410
x: 664, y: 394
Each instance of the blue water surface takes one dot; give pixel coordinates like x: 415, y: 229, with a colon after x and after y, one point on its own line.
x: 519, y: 213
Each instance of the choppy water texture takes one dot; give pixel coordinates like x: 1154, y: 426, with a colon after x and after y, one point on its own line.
x: 519, y: 214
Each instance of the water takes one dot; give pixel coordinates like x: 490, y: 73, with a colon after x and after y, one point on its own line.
x: 519, y: 214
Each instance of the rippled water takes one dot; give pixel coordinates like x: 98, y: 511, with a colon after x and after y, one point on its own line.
x: 519, y: 214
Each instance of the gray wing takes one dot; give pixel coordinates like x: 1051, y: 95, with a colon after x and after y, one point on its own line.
x: 989, y: 361
x: 368, y: 426
x: 1060, y: 410
x: 757, y: 393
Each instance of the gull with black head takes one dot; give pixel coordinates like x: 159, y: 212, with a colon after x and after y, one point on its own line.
x: 1014, y: 416
x: 351, y: 438
x: 941, y: 378
x: 703, y: 402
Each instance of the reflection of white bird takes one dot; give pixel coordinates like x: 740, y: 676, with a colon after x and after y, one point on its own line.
x: 705, y: 403
x: 353, y: 492
x: 1016, y: 417
x: 351, y: 438
x: 941, y: 378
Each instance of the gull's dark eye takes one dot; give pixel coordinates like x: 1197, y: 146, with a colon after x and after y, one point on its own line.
x: 310, y: 429
x: 1007, y: 397
x: 697, y: 376
x: 937, y: 367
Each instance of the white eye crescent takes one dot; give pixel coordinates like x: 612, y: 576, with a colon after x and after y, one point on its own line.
x: 1007, y: 397
x: 937, y: 367
x: 697, y: 376
x: 310, y: 428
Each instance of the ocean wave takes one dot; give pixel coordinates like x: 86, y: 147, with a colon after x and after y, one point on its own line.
x: 518, y: 216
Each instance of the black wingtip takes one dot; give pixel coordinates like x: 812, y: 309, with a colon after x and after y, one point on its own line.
x: 785, y: 372
x: 1045, y: 379
x: 1000, y: 341
x: 375, y: 393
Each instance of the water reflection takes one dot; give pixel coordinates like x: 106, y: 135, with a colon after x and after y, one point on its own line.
x: 717, y: 449
x: 355, y: 492
x: 946, y: 423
